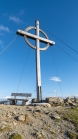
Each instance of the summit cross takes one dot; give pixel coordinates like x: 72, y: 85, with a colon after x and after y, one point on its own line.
x: 38, y: 49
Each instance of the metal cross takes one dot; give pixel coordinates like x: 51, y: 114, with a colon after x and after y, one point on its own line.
x: 37, y: 48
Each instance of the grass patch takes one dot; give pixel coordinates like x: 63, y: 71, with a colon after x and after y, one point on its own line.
x: 8, y: 128
x: 72, y: 135
x: 16, y: 136
x: 57, y: 120
x: 42, y: 136
x: 46, y: 128
x: 70, y: 115
x: 52, y: 132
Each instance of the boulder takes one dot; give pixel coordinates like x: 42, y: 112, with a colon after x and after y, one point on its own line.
x: 34, y: 100
x: 55, y: 101
x: 21, y: 118
x: 76, y: 101
x: 25, y: 102
x: 69, y: 101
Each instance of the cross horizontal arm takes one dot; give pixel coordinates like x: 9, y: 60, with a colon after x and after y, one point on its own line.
x: 22, y: 33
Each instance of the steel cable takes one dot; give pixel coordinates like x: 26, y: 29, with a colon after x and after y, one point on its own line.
x: 9, y: 44
x: 23, y: 70
x: 56, y: 72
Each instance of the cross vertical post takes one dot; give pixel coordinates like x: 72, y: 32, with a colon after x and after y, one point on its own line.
x: 38, y: 74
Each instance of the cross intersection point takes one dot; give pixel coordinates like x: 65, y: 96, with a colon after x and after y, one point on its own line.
x: 27, y: 34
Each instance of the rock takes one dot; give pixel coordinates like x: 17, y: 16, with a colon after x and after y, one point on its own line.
x: 47, y: 105
x: 66, y: 103
x: 5, y: 125
x: 25, y: 102
x: 8, y: 115
x: 47, y: 112
x: 38, y: 135
x: 70, y: 102
x: 14, y: 123
x: 73, y: 104
x: 21, y: 118
x: 41, y: 104
x: 55, y: 101
x: 14, y: 113
x: 24, y: 118
x: 34, y: 100
x: 76, y: 101
x: 37, y: 110
x: 55, y: 116
x: 36, y: 129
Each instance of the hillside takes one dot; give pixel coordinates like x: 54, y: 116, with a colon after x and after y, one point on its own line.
x: 38, y: 122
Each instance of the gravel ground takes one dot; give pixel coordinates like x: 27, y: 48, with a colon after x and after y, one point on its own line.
x: 35, y: 122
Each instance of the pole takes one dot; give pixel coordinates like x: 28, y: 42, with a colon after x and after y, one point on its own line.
x: 38, y: 74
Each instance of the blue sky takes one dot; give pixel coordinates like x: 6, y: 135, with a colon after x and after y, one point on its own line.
x: 57, y: 17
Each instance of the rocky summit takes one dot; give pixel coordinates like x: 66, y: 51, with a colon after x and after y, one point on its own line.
x: 56, y: 119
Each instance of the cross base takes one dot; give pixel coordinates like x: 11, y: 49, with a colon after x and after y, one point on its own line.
x: 39, y: 94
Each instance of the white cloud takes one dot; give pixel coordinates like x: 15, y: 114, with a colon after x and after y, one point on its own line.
x: 56, y: 79
x: 15, y: 19
x: 2, y: 28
